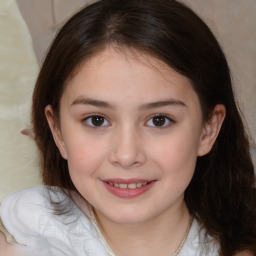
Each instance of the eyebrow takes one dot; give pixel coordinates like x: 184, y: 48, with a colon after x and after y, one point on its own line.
x: 147, y: 106
x: 92, y: 102
x: 162, y: 103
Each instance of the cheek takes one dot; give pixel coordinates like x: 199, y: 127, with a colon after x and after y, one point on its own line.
x: 177, y: 155
x: 177, y: 161
x: 84, y: 156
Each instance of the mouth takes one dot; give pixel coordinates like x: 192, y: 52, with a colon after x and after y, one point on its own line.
x: 128, y: 188
x: 128, y: 185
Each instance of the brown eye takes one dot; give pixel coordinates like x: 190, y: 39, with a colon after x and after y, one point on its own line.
x: 159, y: 121
x: 96, y: 121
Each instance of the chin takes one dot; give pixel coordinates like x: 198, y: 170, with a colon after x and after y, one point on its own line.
x: 128, y: 216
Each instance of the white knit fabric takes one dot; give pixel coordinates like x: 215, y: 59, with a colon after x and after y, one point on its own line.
x: 28, y: 216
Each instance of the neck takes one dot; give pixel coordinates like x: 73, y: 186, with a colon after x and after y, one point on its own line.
x: 163, y: 233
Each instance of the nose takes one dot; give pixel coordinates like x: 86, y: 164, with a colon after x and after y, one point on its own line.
x: 127, y: 150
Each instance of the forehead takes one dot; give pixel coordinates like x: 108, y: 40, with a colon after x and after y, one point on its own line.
x: 127, y: 74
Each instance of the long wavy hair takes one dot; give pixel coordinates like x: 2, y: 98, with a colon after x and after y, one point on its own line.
x: 221, y: 195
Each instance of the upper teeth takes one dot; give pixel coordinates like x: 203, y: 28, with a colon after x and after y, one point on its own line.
x: 130, y: 185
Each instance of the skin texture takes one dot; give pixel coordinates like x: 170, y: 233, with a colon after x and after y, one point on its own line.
x: 7, y: 249
x: 128, y: 89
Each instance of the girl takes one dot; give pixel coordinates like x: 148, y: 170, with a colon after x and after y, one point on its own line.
x: 143, y: 148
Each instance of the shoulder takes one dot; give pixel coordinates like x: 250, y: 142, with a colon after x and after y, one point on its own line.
x: 33, y: 194
x: 26, y: 213
x: 199, y: 242
x: 29, y: 215
x: 28, y: 195
x: 30, y: 206
x: 27, y: 205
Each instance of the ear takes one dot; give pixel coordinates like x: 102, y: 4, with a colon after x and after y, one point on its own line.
x: 55, y: 129
x: 211, y: 130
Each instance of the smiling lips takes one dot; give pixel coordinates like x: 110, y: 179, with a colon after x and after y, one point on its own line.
x: 128, y: 188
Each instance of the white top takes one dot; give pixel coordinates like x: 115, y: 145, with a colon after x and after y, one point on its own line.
x: 29, y: 216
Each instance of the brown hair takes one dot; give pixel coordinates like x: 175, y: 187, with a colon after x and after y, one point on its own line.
x: 221, y: 194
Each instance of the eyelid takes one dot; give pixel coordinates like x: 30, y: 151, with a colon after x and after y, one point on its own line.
x: 86, y: 118
x: 170, y: 120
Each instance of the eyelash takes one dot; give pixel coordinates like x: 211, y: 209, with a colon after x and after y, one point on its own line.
x: 166, y: 118
x: 89, y: 122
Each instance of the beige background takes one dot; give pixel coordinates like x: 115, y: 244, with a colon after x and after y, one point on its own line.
x: 232, y: 21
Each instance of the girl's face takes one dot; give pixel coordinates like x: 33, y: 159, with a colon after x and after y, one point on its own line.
x: 131, y: 130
